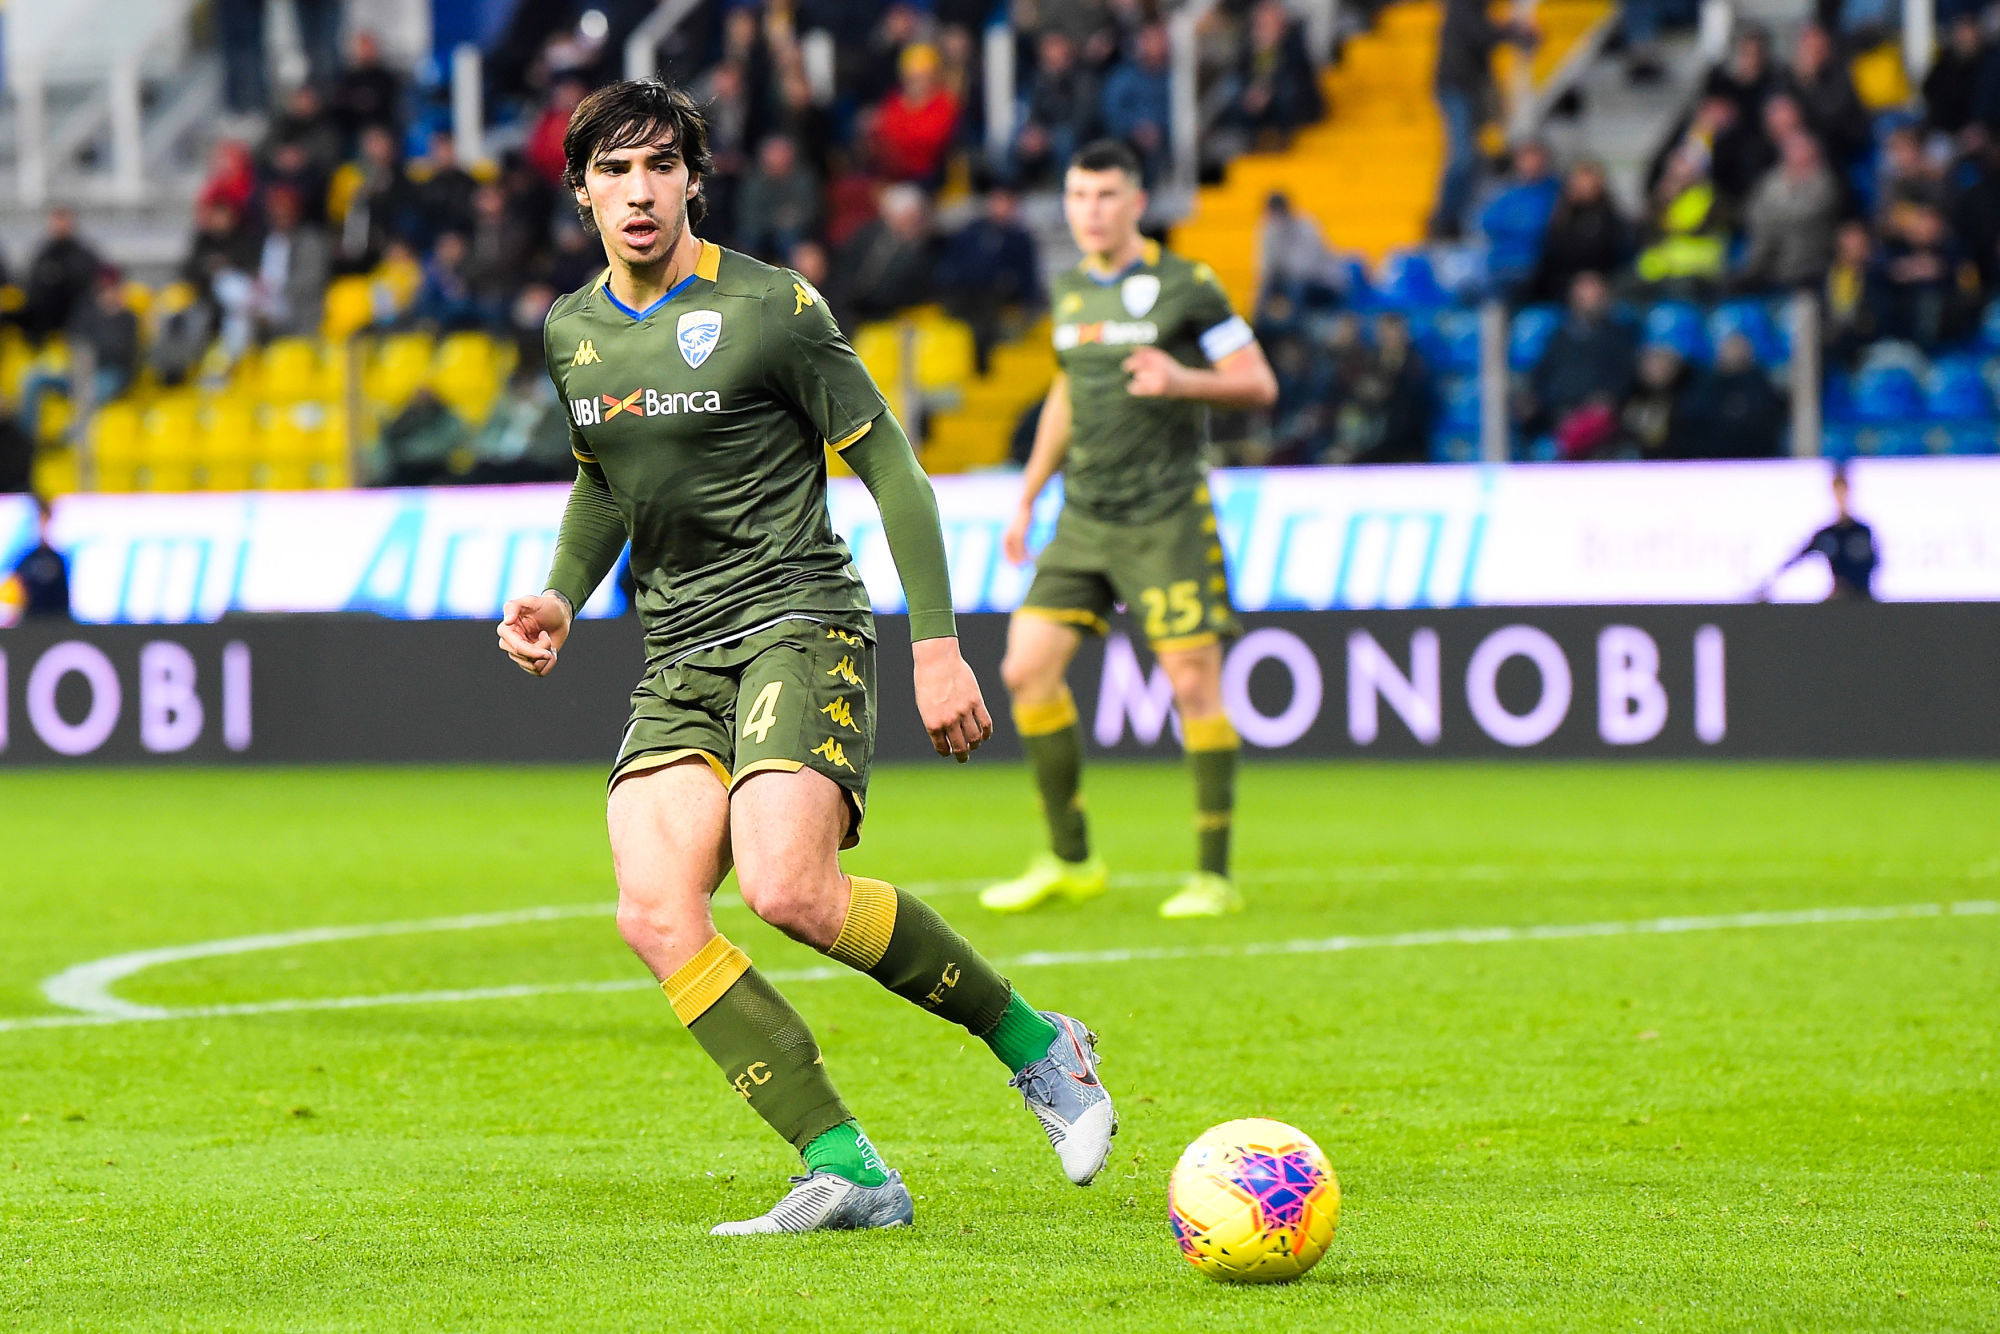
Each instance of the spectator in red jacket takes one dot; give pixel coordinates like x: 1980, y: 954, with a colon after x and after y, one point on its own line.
x: 544, y: 148
x: 915, y: 123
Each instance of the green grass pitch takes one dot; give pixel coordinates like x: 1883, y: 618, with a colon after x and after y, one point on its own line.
x: 1787, y: 1122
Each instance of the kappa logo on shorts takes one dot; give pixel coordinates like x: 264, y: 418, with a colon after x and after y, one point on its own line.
x: 842, y: 714
x: 844, y: 669
x: 833, y: 753
x: 698, y: 332
x: 852, y: 641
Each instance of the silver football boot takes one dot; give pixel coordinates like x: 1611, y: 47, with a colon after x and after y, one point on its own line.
x: 823, y: 1202
x: 1063, y: 1092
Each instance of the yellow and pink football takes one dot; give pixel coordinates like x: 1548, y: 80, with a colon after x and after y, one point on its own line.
x: 1253, y: 1201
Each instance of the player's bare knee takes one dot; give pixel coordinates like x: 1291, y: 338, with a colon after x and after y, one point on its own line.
x: 1030, y: 678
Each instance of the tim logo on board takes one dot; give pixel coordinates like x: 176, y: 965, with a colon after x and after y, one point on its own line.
x: 1517, y: 690
x: 75, y: 701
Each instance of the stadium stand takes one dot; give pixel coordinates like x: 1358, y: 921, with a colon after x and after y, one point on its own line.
x: 400, y: 310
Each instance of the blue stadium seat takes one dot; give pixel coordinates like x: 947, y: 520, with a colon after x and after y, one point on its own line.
x: 1989, y: 326
x: 1754, y: 321
x: 1837, y: 440
x: 1837, y: 396
x: 1360, y: 291
x: 1408, y: 282
x: 1887, y: 394
x: 1452, y: 444
x: 1973, y: 437
x: 1458, y: 400
x: 1530, y: 333
x: 1454, y: 343
x: 1678, y: 325
x: 1956, y: 388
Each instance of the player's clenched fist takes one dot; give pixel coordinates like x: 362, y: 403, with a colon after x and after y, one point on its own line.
x: 532, y: 630
x: 1154, y: 373
x: 948, y: 699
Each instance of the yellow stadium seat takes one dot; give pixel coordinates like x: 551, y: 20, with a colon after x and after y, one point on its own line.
x: 880, y: 347
x: 290, y: 372
x: 15, y: 358
x: 350, y: 308
x: 138, y: 299
x: 116, y: 447
x: 467, y: 375
x: 53, y: 414
x: 170, y: 442
x: 342, y: 189
x: 229, y: 444
x: 56, y: 472
x: 944, y: 354
x: 400, y: 366
x: 1880, y: 79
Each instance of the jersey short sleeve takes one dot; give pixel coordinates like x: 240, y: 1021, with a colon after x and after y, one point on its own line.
x: 1219, y: 329
x: 811, y: 365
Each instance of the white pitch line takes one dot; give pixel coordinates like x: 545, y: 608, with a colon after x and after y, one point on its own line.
x: 1467, y: 935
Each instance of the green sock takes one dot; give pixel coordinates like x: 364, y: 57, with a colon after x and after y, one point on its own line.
x: 900, y: 941
x: 1022, y: 1036
x: 764, y: 1048
x: 846, y: 1152
x: 1211, y: 751
x: 1054, y: 745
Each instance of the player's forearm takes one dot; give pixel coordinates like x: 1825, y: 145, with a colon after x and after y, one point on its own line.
x: 588, y: 543
x: 1249, y: 387
x: 1051, y: 445
x: 887, y: 466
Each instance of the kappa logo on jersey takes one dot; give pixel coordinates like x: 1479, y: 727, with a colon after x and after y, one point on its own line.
x: 1139, y: 292
x: 805, y: 295
x: 698, y: 331
x: 641, y: 403
x: 1116, y: 333
x: 586, y: 355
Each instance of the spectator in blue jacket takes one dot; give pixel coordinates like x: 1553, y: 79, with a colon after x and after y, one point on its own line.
x: 988, y: 269
x: 1138, y: 98
x: 1516, y: 219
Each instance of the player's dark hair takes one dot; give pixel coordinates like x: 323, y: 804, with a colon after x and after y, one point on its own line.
x: 635, y: 113
x: 1108, y: 155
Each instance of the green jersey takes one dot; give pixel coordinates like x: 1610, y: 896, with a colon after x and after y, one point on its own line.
x: 1134, y: 459
x: 708, y: 415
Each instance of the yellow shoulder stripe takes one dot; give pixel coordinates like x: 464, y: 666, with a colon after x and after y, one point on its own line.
x: 709, y: 262
x: 837, y: 445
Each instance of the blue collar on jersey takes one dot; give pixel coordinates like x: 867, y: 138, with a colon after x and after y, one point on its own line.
x: 672, y: 292
x: 1106, y: 279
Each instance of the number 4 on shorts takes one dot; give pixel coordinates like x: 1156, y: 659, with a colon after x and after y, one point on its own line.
x: 763, y: 713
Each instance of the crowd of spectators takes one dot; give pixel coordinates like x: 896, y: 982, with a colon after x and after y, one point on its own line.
x: 1778, y: 180
x: 845, y: 178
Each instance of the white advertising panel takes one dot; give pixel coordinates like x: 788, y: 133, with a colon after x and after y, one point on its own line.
x: 1297, y: 539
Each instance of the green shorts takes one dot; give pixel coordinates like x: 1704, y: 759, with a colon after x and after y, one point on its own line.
x: 1167, y: 571
x: 796, y: 695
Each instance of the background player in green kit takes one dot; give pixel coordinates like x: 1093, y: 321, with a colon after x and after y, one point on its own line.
x: 1126, y: 421
x: 703, y: 389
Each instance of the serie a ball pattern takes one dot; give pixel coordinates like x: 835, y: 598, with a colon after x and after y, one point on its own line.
x: 1253, y: 1201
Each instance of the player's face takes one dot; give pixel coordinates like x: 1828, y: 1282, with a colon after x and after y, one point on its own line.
x: 1103, y: 208
x: 639, y: 198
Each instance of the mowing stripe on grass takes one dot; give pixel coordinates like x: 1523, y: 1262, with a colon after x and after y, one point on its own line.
x: 75, y: 982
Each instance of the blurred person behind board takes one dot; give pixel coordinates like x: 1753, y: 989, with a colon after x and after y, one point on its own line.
x: 1848, y: 546
x: 40, y: 581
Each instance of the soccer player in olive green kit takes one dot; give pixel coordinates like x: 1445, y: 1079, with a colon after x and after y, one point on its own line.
x: 703, y: 390
x: 1145, y: 343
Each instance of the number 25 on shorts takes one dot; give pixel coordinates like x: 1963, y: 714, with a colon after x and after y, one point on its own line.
x: 763, y: 715
x: 1180, y: 601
